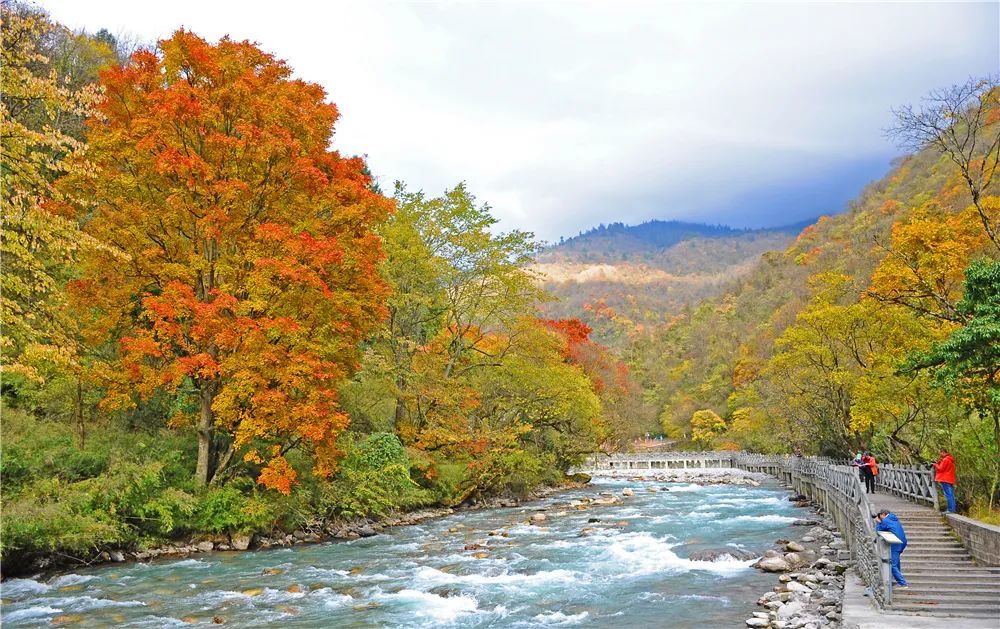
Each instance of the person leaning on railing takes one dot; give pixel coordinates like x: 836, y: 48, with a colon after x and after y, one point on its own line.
x: 944, y: 475
x: 889, y: 523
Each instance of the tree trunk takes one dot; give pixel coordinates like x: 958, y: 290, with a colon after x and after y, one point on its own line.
x: 79, y: 413
x: 205, y: 422
x: 400, y: 414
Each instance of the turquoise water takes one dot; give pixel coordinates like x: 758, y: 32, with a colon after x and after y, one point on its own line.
x: 631, y: 571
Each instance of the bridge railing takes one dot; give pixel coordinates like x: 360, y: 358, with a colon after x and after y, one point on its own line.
x: 910, y: 482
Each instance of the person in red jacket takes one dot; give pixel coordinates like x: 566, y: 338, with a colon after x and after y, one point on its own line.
x: 869, y: 468
x: 944, y: 475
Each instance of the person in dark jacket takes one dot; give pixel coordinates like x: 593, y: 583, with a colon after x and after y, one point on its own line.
x: 944, y: 474
x: 889, y: 522
x: 869, y: 470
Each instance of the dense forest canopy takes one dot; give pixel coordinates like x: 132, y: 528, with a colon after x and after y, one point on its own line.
x: 215, y: 323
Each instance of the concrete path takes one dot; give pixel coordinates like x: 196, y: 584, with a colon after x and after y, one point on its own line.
x: 944, y: 580
x: 860, y: 613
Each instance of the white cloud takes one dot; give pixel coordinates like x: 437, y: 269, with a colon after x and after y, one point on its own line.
x: 563, y: 115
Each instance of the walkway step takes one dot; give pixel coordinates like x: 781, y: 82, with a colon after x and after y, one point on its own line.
x: 955, y: 576
x: 964, y: 581
x: 953, y: 609
x: 912, y: 594
x: 928, y: 566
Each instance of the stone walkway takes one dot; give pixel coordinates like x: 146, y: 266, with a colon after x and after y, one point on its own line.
x: 859, y: 613
x: 943, y: 578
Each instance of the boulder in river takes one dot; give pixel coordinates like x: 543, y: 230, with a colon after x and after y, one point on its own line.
x: 241, y: 542
x: 628, y: 492
x: 537, y: 518
x: 794, y: 547
x: 773, y: 564
x: 722, y: 554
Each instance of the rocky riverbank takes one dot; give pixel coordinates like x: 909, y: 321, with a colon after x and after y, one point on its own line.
x: 810, y: 589
x: 341, y: 529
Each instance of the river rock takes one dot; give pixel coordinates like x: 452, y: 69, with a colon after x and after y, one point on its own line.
x: 772, y: 564
x: 628, y: 492
x: 117, y: 556
x: 758, y: 622
x: 799, y: 559
x: 537, y: 518
x: 790, y: 609
x: 795, y: 586
x: 794, y: 547
x: 205, y: 547
x: 726, y: 553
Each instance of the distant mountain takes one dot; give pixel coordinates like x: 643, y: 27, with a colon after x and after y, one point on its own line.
x: 651, y: 237
x: 648, y: 273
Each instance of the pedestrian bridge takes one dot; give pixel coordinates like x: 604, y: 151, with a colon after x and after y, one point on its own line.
x: 908, y: 491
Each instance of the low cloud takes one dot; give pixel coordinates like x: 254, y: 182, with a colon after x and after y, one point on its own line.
x: 566, y: 115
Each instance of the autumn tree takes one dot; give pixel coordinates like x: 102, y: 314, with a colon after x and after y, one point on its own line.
x: 705, y: 425
x: 960, y: 122
x: 456, y: 283
x: 38, y: 107
x: 622, y: 407
x: 243, y: 266
x: 925, y: 261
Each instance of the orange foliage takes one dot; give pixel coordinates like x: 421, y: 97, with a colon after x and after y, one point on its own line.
x: 252, y: 265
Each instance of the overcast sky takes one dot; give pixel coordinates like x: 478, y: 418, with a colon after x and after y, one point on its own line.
x: 564, y: 115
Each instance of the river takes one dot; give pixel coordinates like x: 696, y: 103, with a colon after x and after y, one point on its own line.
x: 633, y: 570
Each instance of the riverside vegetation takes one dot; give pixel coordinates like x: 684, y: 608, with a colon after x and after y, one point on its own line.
x: 214, y: 325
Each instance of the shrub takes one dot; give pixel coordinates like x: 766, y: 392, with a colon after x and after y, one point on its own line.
x: 373, y: 479
x: 229, y: 510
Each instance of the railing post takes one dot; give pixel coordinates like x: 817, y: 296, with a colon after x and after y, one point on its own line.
x: 886, y: 570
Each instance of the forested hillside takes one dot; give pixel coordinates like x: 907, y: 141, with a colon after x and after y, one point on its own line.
x: 644, y: 275
x: 876, y: 328
x: 214, y: 324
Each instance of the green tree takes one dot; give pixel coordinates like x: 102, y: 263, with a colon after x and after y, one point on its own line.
x: 967, y: 363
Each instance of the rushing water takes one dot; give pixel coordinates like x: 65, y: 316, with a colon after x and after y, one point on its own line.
x: 632, y: 571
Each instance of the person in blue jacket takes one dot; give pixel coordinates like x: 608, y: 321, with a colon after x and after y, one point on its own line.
x: 889, y: 522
